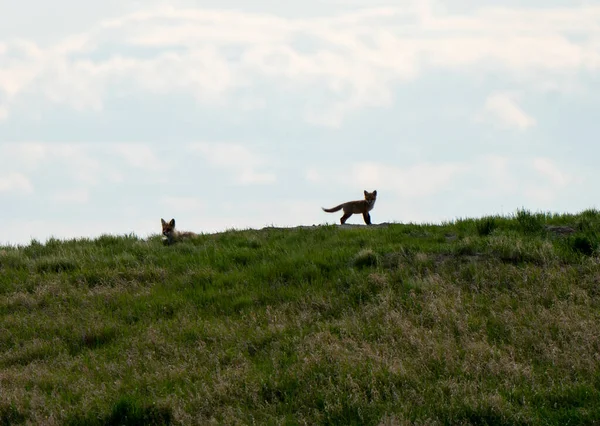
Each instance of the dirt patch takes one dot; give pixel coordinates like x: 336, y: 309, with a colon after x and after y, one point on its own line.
x: 344, y: 226
x: 560, y: 230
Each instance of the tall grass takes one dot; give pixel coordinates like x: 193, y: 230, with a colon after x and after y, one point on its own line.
x: 477, y: 321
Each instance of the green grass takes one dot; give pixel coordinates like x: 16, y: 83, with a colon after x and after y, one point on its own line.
x: 477, y: 321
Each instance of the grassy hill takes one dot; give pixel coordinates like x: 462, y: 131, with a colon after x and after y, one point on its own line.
x: 487, y: 321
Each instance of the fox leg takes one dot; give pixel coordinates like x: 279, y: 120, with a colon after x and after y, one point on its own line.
x: 344, y: 218
x: 367, y: 218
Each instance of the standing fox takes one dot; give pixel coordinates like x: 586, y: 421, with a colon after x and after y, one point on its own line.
x: 359, y: 206
x: 172, y: 235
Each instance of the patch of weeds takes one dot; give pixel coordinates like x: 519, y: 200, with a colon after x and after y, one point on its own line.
x: 575, y: 404
x: 252, y: 242
x: 12, y: 260
x: 512, y: 249
x: 485, y: 226
x: 89, y: 339
x: 200, y: 279
x: 9, y: 415
x: 392, y: 260
x: 34, y: 351
x: 422, y: 263
x: 260, y: 345
x: 126, y: 259
x: 468, y: 246
x: 143, y: 275
x: 584, y: 243
x: 530, y: 223
x: 349, y: 412
x: 128, y: 411
x: 55, y: 265
x: 378, y: 281
x: 243, y: 256
x: 91, y: 278
x: 107, y: 240
x: 285, y: 390
x: 481, y: 415
x: 356, y: 288
x: 366, y: 258
x: 241, y: 303
x: 497, y: 331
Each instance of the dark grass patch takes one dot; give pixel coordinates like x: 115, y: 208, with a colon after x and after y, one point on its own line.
x: 366, y: 258
x: 530, y: 223
x: 55, y: 265
x: 486, y: 226
x: 26, y: 355
x: 560, y: 405
x: 10, y: 415
x: 91, y: 338
x: 128, y: 411
x: 585, y: 243
x: 477, y: 416
x: 12, y: 260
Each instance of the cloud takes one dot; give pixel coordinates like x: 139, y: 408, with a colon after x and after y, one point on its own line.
x: 547, y: 168
x: 500, y: 176
x: 419, y: 180
x: 488, y: 177
x: 187, y: 204
x: 15, y: 182
x: 502, y: 109
x: 72, y: 196
x: 140, y: 156
x: 85, y: 163
x: 236, y: 158
x: 354, y: 58
x: 313, y: 175
x: 22, y: 156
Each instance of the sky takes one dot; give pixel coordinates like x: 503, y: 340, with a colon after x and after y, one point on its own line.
x: 237, y: 114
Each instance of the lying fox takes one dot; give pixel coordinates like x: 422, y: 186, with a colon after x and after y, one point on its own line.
x: 360, y: 206
x: 171, y: 234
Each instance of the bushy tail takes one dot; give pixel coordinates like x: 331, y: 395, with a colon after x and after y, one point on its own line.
x: 334, y: 209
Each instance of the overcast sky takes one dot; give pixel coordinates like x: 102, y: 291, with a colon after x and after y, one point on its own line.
x: 238, y: 114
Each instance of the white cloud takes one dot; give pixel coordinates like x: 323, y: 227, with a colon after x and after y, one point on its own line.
x: 547, y: 168
x: 81, y: 161
x: 420, y: 180
x: 356, y: 57
x: 140, y: 156
x: 22, y: 156
x: 188, y: 204
x: 491, y: 177
x: 502, y: 109
x: 539, y: 194
x: 72, y: 196
x: 237, y: 158
x: 313, y: 175
x: 15, y: 182
x: 251, y: 177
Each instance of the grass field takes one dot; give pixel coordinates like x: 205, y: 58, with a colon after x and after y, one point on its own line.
x: 479, y: 321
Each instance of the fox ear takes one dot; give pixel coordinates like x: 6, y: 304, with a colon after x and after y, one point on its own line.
x: 365, y: 191
x: 172, y: 222
x: 163, y: 221
x: 375, y: 192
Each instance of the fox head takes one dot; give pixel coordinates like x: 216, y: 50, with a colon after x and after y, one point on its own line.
x: 168, y: 228
x: 371, y: 196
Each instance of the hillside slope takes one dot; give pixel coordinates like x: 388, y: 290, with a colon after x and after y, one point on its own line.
x: 488, y: 321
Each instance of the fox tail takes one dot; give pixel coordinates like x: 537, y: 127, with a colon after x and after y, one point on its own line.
x: 333, y: 209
